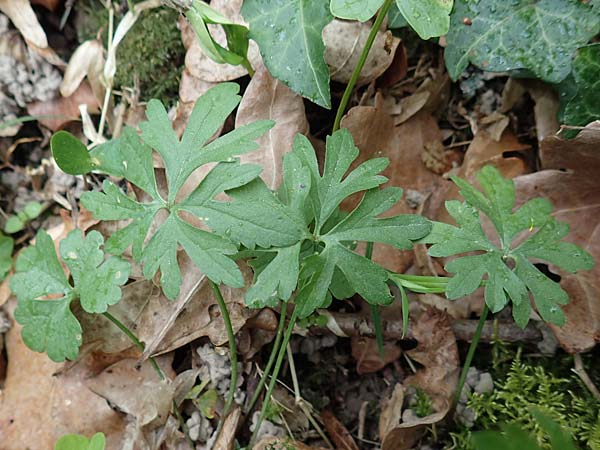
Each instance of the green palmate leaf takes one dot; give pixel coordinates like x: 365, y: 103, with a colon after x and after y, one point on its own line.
x: 45, y: 294
x: 429, y: 18
x: 70, y: 154
x: 322, y: 261
x: 288, y: 33
x: 361, y: 10
x: 199, y: 15
x: 510, y: 273
x: 580, y: 92
x: 79, y: 442
x: 6, y: 248
x: 252, y: 217
x: 539, y: 36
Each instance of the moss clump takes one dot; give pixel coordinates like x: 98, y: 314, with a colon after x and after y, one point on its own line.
x: 558, y: 394
x: 151, y: 54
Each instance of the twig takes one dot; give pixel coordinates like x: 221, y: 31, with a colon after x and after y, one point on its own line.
x: 579, y: 369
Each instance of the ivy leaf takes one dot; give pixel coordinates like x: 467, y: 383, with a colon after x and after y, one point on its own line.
x: 324, y: 255
x: 429, y: 18
x: 539, y: 36
x: 361, y: 10
x: 580, y: 92
x: 6, y: 248
x: 250, y: 220
x: 289, y: 35
x: 510, y: 273
x: 45, y: 294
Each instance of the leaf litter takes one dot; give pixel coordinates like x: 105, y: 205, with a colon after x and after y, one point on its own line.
x: 428, y: 130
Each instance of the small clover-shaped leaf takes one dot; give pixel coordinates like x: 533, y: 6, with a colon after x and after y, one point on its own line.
x: 79, y: 442
x: 245, y: 220
x: 508, y: 267
x: 45, y: 295
x: 322, y: 262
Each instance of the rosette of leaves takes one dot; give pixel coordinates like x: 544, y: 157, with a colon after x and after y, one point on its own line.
x: 250, y: 221
x: 525, y: 234
x: 45, y: 294
x: 322, y: 264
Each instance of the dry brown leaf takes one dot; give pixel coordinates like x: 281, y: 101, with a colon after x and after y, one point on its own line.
x: 340, y: 436
x: 438, y: 353
x: 23, y: 17
x: 226, y: 438
x: 344, y: 42
x: 366, y: 354
x: 40, y: 402
x: 375, y: 135
x: 409, y: 106
x: 48, y: 4
x: 60, y: 111
x: 201, y: 66
x: 165, y: 325
x: 268, y: 98
x: 571, y: 182
x: 137, y: 390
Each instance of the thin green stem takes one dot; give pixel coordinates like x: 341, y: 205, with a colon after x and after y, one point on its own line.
x: 361, y: 62
x: 470, y: 354
x: 246, y: 65
x: 272, y: 356
x: 375, y: 310
x: 133, y: 338
x: 273, y: 381
x: 232, y: 347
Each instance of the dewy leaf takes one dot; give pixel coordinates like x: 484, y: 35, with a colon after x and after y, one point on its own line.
x: 252, y: 218
x: 361, y: 10
x: 580, y: 92
x: 324, y: 255
x: 429, y: 18
x: 45, y: 295
x: 288, y: 33
x: 6, y: 248
x: 510, y: 273
x: 539, y: 36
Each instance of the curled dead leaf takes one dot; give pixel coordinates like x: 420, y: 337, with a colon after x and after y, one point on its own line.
x: 366, y: 354
x: 268, y: 98
x: 340, y: 435
x: 344, y: 42
x: 23, y: 17
x: 86, y: 61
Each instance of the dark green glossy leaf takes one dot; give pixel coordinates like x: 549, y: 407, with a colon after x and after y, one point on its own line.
x: 70, y: 154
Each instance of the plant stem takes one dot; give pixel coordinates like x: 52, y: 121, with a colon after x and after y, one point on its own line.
x: 361, y: 62
x: 232, y: 347
x: 470, y: 354
x: 272, y: 356
x: 375, y: 310
x: 246, y: 65
x: 139, y: 344
x: 273, y: 381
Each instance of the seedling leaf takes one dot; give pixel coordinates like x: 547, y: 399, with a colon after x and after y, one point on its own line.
x: 79, y: 442
x: 429, y: 18
x: 6, y: 248
x: 361, y: 10
x: 70, y: 154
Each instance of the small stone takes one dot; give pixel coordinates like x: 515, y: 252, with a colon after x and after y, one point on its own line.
x: 408, y: 415
x: 485, y: 384
x: 472, y: 376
